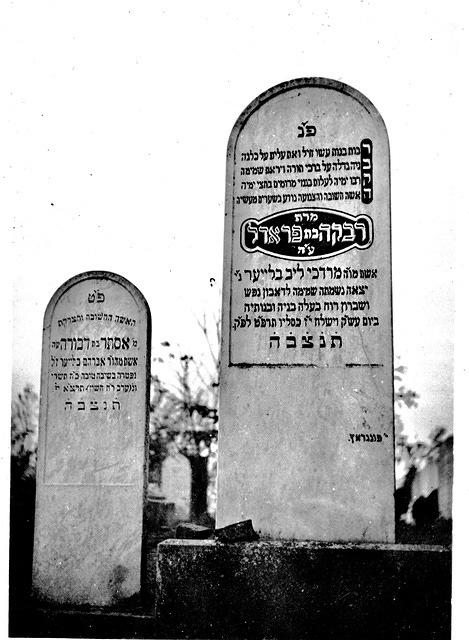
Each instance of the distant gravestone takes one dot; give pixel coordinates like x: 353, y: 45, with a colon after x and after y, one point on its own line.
x: 92, y: 453
x: 176, y: 479
x: 306, y: 405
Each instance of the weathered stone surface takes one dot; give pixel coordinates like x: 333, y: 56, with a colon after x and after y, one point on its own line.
x: 191, y: 531
x: 306, y: 397
x: 303, y: 590
x: 237, y: 532
x: 91, y: 470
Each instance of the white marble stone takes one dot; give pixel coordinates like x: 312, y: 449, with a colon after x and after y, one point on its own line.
x: 92, y: 454
x: 306, y: 407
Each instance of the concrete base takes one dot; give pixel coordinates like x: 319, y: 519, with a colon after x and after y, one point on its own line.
x: 303, y: 590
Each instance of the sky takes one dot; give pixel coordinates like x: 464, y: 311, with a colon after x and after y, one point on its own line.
x: 119, y: 118
x: 121, y: 115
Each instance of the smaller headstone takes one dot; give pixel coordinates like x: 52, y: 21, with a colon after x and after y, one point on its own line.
x: 92, y: 451
x: 176, y: 484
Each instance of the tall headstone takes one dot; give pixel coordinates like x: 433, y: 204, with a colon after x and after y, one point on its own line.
x: 92, y: 453
x: 306, y: 407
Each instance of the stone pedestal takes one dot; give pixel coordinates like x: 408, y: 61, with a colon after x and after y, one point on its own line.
x: 303, y: 590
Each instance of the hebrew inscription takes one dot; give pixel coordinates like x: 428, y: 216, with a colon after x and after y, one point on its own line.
x: 96, y: 375
x: 306, y: 281
x: 306, y: 357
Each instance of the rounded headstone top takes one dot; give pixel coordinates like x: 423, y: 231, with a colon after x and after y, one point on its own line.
x: 136, y: 294
x: 298, y: 84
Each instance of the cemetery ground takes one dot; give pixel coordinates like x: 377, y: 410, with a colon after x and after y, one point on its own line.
x: 136, y: 617
x: 133, y: 618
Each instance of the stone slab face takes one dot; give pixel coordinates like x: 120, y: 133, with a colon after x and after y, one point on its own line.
x: 92, y: 455
x: 302, y: 590
x: 306, y: 407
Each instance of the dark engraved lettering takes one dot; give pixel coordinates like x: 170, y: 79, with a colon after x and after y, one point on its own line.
x: 306, y: 234
x: 366, y: 162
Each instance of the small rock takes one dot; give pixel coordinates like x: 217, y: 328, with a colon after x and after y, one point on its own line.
x: 237, y: 532
x: 190, y: 531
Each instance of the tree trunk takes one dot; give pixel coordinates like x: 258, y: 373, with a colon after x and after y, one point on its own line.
x: 199, y: 487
